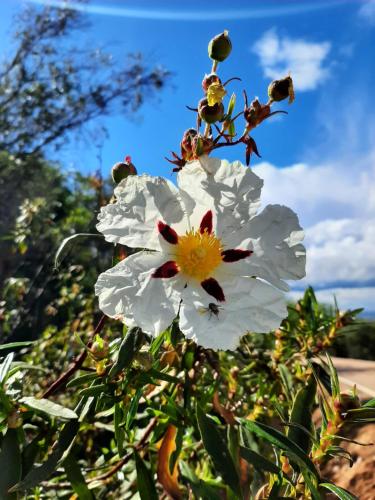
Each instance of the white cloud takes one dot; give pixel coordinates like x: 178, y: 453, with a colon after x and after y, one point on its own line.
x: 367, y: 11
x: 336, y: 206
x: 306, y: 61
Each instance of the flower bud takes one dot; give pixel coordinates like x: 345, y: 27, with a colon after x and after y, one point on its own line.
x: 122, y: 170
x: 187, y: 144
x: 346, y: 402
x: 279, y: 90
x: 210, y: 114
x: 100, y: 348
x: 209, y: 79
x: 220, y: 47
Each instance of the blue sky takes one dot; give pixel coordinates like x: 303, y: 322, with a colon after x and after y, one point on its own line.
x: 320, y: 159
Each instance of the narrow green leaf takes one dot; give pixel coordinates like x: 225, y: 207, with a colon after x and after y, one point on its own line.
x: 315, y: 495
x: 133, y: 408
x: 119, y: 431
x: 231, y: 104
x: 334, y: 377
x: 46, y: 406
x: 287, y: 380
x: 71, y: 239
x: 364, y: 412
x: 5, y: 367
x: 370, y: 404
x: 163, y: 376
x: 258, y: 461
x: 14, y: 345
x: 10, y: 464
x: 301, y: 414
x: 339, y: 492
x: 128, y: 348
x: 94, y: 390
x: 60, y: 451
x: 201, y: 489
x: 83, y: 379
x: 76, y: 479
x: 218, y: 451
x: 145, y: 482
x: 276, y: 438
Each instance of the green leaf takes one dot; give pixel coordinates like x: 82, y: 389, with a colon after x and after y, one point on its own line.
x: 145, y: 482
x: 128, y: 348
x: 201, y: 489
x: 339, y: 492
x: 60, y: 451
x: 334, y: 377
x: 231, y: 104
x: 133, y: 408
x: 46, y: 406
x: 276, y: 438
x: 76, y: 479
x: 5, y: 367
x: 287, y: 381
x: 302, y: 415
x: 218, y: 450
x: 13, y: 345
x: 119, y: 431
x: 83, y: 379
x: 370, y: 404
x: 94, y: 390
x: 315, y: 495
x: 71, y: 239
x: 163, y: 376
x: 258, y: 461
x: 364, y: 412
x: 10, y: 464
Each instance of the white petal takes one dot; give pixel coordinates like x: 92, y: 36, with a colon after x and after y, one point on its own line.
x: 250, y: 305
x: 230, y: 189
x: 128, y: 291
x: 276, y: 237
x: 141, y: 202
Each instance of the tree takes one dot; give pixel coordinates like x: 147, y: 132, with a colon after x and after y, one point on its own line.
x: 50, y: 86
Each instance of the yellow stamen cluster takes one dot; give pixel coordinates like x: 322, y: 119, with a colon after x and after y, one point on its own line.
x: 197, y: 255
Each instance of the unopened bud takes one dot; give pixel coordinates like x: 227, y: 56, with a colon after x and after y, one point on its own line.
x: 210, y: 114
x: 100, y: 348
x: 220, y: 47
x: 346, y: 402
x: 210, y: 79
x: 256, y: 113
x: 282, y: 89
x: 122, y: 170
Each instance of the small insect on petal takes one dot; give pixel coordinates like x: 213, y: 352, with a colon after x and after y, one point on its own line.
x: 168, y: 233
x: 206, y: 223
x: 212, y: 287
x: 167, y: 270
x: 235, y: 254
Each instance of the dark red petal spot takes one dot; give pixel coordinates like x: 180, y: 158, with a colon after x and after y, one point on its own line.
x: 167, y: 270
x: 168, y: 233
x: 213, y: 288
x: 235, y: 254
x: 206, y: 223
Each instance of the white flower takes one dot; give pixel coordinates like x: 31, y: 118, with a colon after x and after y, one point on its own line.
x: 206, y: 255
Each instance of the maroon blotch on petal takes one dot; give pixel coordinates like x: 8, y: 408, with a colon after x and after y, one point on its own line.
x: 168, y: 233
x: 206, y: 223
x: 235, y: 254
x: 167, y: 270
x: 212, y: 287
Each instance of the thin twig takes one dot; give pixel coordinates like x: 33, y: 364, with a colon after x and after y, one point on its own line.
x: 141, y: 443
x: 75, y: 365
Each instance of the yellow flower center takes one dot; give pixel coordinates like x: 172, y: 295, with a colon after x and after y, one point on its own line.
x: 197, y: 255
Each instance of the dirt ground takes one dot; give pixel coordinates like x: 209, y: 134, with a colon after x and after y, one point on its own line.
x: 360, y: 478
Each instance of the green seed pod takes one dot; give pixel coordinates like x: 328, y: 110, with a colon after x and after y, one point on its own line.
x: 220, y: 47
x: 282, y: 89
x: 122, y: 170
x: 210, y: 114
